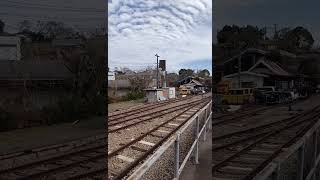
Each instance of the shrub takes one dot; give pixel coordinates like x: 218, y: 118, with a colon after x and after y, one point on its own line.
x: 133, y: 95
x: 73, y: 108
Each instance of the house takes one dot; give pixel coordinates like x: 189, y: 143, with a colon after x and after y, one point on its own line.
x: 280, y: 70
x: 263, y: 73
x: 111, y: 76
x: 10, y: 48
x: 193, y: 85
x: 23, y: 73
x: 41, y: 82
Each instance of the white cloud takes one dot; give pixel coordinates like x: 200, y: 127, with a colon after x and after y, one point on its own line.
x: 180, y: 31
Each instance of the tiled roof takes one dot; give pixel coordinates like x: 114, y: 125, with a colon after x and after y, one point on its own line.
x: 275, y: 68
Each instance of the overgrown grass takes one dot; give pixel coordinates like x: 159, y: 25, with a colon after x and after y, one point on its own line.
x: 133, y: 95
x: 66, y: 109
x: 73, y: 108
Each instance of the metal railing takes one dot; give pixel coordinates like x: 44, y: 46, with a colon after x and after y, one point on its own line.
x: 306, y: 152
x: 176, y: 140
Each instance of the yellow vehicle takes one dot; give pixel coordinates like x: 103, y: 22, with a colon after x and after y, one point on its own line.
x: 223, y: 87
x: 184, y: 91
x: 238, y: 96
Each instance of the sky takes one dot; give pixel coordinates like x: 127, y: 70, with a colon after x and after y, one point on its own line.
x: 83, y: 15
x: 284, y: 13
x: 179, y: 31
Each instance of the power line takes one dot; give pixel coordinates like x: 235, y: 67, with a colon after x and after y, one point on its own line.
x: 24, y: 4
x: 37, y: 17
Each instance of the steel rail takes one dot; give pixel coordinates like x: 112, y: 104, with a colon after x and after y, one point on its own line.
x: 149, y: 151
x: 153, y: 117
x: 234, y: 118
x: 46, y: 160
x: 113, y: 153
x: 252, y: 174
x: 39, y: 149
x: 139, y: 110
x: 255, y: 143
x: 147, y: 114
x: 265, y: 125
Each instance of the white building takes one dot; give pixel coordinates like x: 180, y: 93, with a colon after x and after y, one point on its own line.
x: 10, y: 48
x: 111, y: 76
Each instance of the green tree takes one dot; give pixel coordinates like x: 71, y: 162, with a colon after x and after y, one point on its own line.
x: 185, y: 73
x: 25, y: 25
x: 298, y: 38
x: 240, y: 37
x: 204, y: 73
x: 52, y: 29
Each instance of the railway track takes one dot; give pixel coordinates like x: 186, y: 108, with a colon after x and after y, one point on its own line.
x: 127, y: 116
x: 149, y: 106
x: 87, y: 160
x: 236, y: 116
x: 244, y: 113
x: 36, y: 151
x: 53, y: 163
x: 126, y: 157
x: 243, y: 154
x: 133, y: 121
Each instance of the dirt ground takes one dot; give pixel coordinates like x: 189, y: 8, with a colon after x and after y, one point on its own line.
x: 123, y: 105
x: 22, y: 139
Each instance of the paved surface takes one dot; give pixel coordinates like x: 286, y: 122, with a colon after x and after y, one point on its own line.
x: 203, y: 170
x: 18, y: 140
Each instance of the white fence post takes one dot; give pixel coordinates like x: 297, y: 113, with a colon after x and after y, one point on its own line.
x: 315, y: 145
x: 205, y: 126
x: 301, y: 152
x: 275, y: 174
x: 196, y: 151
x: 177, y: 156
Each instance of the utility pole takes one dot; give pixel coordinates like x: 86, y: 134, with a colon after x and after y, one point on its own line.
x: 157, y: 70
x: 275, y: 31
x: 239, y: 71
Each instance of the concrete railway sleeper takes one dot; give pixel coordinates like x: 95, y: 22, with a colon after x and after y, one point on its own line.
x: 252, y: 135
x: 267, y: 125
x: 61, y: 163
x: 131, y: 123
x: 144, y: 108
x: 77, y: 143
x: 117, y: 171
x: 112, y: 123
x: 233, y: 166
x: 241, y: 115
x: 235, y: 113
x: 230, y: 117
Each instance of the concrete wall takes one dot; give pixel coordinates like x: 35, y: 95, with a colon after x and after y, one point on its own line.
x: 10, y: 48
x: 118, y: 92
x: 257, y: 80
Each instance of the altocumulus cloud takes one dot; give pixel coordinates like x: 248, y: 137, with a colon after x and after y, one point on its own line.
x: 180, y: 31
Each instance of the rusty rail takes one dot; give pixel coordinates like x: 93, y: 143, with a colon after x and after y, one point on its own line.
x: 175, y: 139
